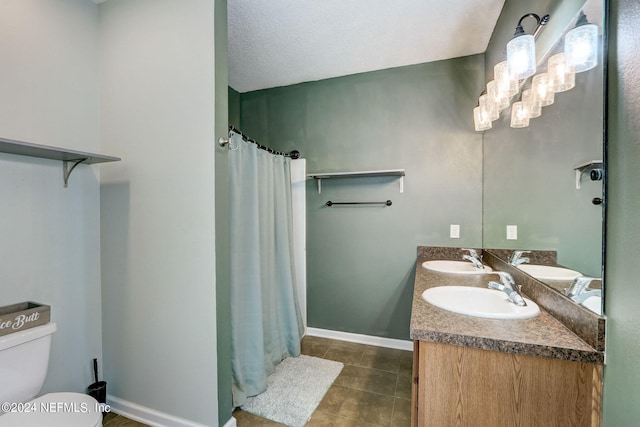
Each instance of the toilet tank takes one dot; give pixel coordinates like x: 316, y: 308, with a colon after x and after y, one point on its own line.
x: 24, y: 360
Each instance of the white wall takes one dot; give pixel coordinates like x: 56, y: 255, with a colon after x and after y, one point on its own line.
x: 158, y: 257
x: 299, y: 205
x: 49, y: 235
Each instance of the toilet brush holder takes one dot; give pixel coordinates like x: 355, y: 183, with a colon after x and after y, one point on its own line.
x: 98, y: 390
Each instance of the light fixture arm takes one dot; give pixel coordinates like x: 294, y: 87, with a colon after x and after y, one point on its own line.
x: 541, y: 22
x: 519, y: 29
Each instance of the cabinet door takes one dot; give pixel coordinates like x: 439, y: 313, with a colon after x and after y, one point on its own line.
x: 462, y: 386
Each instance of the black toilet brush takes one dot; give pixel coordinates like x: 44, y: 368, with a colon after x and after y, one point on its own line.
x: 98, y: 390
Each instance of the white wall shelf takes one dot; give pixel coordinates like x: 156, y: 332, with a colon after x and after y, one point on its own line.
x: 22, y: 148
x: 319, y: 176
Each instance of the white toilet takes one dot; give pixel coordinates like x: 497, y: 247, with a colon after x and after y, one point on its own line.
x: 24, y: 360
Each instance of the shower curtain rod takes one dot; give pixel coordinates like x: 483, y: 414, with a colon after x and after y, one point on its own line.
x: 295, y: 154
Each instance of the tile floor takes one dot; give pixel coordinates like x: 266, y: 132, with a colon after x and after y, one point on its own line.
x: 373, y: 389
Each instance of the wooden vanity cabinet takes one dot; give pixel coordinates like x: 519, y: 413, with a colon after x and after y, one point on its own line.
x: 469, y: 387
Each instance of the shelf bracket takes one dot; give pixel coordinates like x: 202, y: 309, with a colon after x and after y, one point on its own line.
x: 66, y: 171
x: 583, y: 168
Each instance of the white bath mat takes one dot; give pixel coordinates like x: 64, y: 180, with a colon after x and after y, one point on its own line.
x: 294, y: 390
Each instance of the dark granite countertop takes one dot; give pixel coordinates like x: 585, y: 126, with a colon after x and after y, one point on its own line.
x: 542, y: 336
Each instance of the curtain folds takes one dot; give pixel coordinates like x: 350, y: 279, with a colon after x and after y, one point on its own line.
x: 266, y: 325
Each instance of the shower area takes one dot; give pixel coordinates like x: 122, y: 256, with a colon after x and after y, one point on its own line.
x: 267, y: 261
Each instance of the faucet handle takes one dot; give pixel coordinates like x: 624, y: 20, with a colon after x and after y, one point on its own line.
x: 514, y: 296
x: 472, y: 252
x: 506, y: 278
x: 579, y: 285
x: 516, y: 255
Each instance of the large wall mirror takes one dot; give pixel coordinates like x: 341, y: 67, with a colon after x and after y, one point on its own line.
x: 539, y: 178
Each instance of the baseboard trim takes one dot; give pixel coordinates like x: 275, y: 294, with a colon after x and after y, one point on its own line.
x: 151, y: 416
x: 230, y: 423
x: 362, y: 339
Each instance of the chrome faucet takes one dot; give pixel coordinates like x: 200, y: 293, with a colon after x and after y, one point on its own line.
x: 579, y: 290
x: 587, y: 294
x: 475, y: 259
x: 508, y: 286
x: 516, y: 257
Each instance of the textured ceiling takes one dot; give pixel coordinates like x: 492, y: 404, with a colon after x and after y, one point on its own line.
x: 282, y: 42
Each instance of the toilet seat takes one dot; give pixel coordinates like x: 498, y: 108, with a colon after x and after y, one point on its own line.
x: 56, y: 410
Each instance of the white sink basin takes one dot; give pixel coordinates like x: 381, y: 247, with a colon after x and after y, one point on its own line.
x: 479, y: 302
x: 594, y: 304
x: 456, y: 267
x: 549, y: 272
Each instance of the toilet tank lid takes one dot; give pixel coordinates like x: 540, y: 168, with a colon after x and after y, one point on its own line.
x: 17, y: 338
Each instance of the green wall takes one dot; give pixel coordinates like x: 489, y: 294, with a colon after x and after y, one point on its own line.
x: 622, y: 372
x: 361, y: 260
x: 234, y: 108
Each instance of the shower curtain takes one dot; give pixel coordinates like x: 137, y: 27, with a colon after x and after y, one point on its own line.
x: 266, y: 325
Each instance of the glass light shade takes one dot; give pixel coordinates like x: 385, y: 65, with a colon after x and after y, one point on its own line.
x: 542, y: 93
x: 533, y: 109
x: 561, y: 76
x: 488, y: 107
x: 581, y: 47
x: 521, y: 56
x: 506, y: 86
x: 519, y: 115
x: 500, y: 102
x: 481, y: 119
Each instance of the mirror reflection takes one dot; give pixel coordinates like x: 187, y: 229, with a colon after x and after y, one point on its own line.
x: 543, y: 187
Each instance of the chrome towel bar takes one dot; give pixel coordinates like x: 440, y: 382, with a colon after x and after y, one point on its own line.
x: 330, y: 203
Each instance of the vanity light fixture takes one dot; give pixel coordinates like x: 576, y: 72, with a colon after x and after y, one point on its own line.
x: 505, y: 84
x: 542, y: 93
x: 533, y: 108
x: 581, y: 45
x: 481, y: 119
x: 519, y: 115
x: 521, y: 50
x: 510, y: 75
x: 562, y: 76
x: 495, y: 98
x: 488, y: 107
